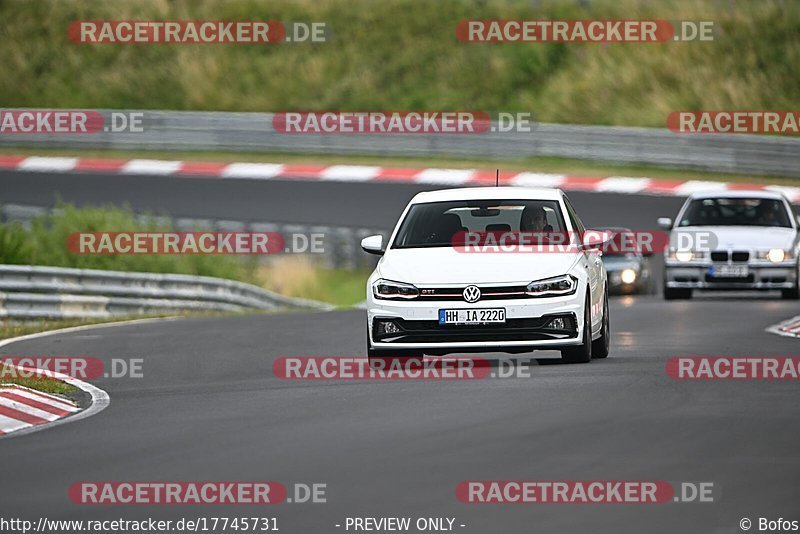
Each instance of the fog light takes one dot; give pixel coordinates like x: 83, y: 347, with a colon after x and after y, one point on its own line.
x: 628, y: 276
x: 558, y: 323
x: 387, y: 327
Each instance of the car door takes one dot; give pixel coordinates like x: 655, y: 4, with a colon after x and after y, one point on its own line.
x: 594, y: 265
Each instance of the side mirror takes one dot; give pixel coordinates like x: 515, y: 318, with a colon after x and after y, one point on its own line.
x: 373, y: 244
x: 665, y: 223
x: 595, y: 239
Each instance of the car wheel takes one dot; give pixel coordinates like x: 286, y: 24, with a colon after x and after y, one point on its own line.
x: 791, y: 294
x: 581, y: 353
x: 601, y: 345
x: 677, y: 293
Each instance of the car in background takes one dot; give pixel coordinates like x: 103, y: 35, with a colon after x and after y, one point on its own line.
x: 427, y: 297
x: 629, y: 271
x: 745, y: 240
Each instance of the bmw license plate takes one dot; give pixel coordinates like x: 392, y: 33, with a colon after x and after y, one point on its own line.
x: 473, y: 316
x: 730, y: 271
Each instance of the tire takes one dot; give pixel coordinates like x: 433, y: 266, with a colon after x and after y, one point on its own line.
x: 674, y: 293
x: 791, y: 294
x: 601, y: 346
x: 581, y: 353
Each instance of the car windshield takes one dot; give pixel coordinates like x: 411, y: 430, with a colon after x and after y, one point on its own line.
x: 736, y: 212
x: 435, y: 224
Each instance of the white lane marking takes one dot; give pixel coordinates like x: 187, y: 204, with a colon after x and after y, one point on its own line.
x: 696, y: 186
x: 444, y: 176
x: 622, y: 184
x: 40, y: 396
x: 350, y: 173
x: 533, y: 179
x: 47, y: 164
x: 255, y: 171
x: 787, y: 328
x: 151, y: 166
x: 9, y: 425
x: 26, y: 408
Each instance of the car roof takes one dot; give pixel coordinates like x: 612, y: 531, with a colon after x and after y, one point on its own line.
x: 487, y: 193
x: 740, y: 193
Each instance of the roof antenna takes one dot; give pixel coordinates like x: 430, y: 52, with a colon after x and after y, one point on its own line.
x: 497, y: 178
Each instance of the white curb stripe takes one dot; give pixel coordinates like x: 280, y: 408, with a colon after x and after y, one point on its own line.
x: 42, y: 397
x: 622, y: 184
x: 151, y: 166
x: 532, y: 179
x: 255, y: 171
x: 350, y: 173
x: 444, y: 176
x: 47, y: 164
x: 25, y: 408
x: 8, y: 425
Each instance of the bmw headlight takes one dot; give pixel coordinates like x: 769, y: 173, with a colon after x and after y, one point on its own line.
x: 556, y: 286
x: 775, y: 255
x: 386, y: 289
x: 685, y: 255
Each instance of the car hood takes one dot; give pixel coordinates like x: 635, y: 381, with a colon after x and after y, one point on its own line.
x: 746, y: 237
x: 445, y: 265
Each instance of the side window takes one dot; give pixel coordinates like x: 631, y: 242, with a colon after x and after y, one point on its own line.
x: 577, y: 225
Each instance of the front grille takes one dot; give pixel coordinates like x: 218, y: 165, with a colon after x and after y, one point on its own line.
x: 532, y: 329
x: 487, y: 293
x: 740, y: 256
x: 736, y: 255
x: 749, y: 279
x: 719, y: 256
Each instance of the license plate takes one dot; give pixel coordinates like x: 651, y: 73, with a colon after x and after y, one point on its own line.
x: 730, y: 271
x: 473, y: 316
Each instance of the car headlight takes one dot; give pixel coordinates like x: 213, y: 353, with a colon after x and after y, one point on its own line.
x: 775, y: 255
x: 685, y: 255
x: 628, y: 276
x: 387, y: 289
x: 558, y: 285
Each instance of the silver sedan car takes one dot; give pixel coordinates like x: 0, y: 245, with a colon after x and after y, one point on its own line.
x: 733, y: 240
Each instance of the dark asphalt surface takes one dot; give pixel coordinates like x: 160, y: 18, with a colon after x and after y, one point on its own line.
x: 209, y: 407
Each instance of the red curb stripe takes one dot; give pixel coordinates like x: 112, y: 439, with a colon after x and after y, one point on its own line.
x: 663, y: 186
x: 489, y: 177
x: 22, y: 416
x: 737, y: 186
x: 202, y: 168
x: 396, y: 175
x: 580, y: 182
x: 49, y: 408
x: 98, y: 165
x: 11, y: 162
x: 48, y: 397
x: 302, y: 171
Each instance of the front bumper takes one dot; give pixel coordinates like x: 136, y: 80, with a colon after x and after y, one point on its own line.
x: 526, y: 325
x: 761, y: 276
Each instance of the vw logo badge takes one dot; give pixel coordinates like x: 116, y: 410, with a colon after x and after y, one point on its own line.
x: 471, y: 294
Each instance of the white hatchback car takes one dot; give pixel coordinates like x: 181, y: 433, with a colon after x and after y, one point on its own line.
x: 732, y: 240
x: 426, y: 296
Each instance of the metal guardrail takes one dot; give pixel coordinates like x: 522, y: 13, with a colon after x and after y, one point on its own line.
x: 35, y: 292
x: 341, y: 245
x: 253, y: 132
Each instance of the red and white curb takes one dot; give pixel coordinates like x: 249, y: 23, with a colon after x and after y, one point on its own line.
x: 22, y: 408
x: 787, y: 328
x: 368, y: 173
